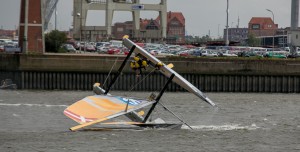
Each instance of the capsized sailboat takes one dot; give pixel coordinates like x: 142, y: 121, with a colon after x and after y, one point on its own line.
x: 103, y: 107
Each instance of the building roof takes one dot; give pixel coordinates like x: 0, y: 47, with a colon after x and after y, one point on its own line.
x: 261, y: 20
x: 178, y: 15
x: 145, y: 22
x: 171, y: 15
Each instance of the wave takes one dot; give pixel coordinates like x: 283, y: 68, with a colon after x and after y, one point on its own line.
x: 30, y: 105
x: 222, y: 127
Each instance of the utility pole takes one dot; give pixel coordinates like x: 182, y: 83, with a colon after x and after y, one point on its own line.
x: 273, y: 28
x: 55, y: 17
x: 227, y: 11
x: 218, y: 30
x: 25, y: 40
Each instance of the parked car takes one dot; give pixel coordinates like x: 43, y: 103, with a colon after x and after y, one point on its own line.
x: 113, y: 50
x: 125, y: 51
x: 90, y: 48
x: 154, y: 52
x: 1, y: 48
x: 197, y: 52
x: 102, y: 49
x: 69, y: 48
x: 183, y: 53
x: 227, y: 53
x: 209, y: 53
x: 100, y: 45
x: 276, y: 54
x: 74, y: 44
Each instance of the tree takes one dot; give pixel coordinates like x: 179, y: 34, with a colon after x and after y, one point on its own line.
x: 54, y: 40
x: 253, y: 41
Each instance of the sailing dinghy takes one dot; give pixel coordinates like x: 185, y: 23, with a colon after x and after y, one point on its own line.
x: 101, y: 108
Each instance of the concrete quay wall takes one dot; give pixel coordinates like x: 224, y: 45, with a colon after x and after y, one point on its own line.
x: 79, y: 72
x: 98, y: 63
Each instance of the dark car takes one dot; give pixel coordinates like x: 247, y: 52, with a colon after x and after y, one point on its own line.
x: 197, y: 53
x: 69, y: 48
x: 74, y: 44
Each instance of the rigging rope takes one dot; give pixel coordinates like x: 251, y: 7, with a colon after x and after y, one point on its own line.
x: 141, y: 80
x: 110, y: 71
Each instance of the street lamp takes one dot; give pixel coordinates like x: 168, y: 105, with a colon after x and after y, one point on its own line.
x: 273, y: 27
x: 79, y: 16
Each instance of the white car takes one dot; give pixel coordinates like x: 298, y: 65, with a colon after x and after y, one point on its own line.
x: 103, y: 49
x: 209, y: 53
x: 228, y: 54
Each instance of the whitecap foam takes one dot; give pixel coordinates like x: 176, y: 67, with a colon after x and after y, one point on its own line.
x: 30, y: 105
x: 16, y: 115
x: 222, y: 127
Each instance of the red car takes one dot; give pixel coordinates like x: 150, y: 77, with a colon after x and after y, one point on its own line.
x: 183, y: 53
x: 1, y: 48
x: 113, y: 51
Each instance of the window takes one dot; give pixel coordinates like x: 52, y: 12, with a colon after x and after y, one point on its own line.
x: 255, y: 26
x: 120, y: 29
x: 176, y: 23
x: 151, y: 26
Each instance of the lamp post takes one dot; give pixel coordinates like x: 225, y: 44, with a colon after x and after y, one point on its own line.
x: 273, y: 27
x: 218, y: 30
x: 79, y: 16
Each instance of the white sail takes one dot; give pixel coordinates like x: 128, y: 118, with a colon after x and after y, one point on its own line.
x: 165, y: 70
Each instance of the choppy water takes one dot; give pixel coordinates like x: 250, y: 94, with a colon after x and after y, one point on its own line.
x: 33, y: 121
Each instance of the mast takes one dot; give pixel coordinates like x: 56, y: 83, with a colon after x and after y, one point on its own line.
x: 120, y: 69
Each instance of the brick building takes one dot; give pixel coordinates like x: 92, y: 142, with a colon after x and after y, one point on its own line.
x: 262, y: 26
x: 150, y: 29
x: 121, y: 29
x: 175, y: 28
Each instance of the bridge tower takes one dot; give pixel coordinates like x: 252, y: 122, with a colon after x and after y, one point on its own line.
x: 31, y: 37
x: 81, y: 8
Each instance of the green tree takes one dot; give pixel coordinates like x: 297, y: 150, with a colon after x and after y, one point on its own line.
x: 54, y: 40
x: 253, y: 41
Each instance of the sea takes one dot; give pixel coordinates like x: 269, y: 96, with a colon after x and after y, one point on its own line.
x: 33, y: 120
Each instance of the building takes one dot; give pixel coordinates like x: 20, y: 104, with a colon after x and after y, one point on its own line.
x: 268, y: 32
x: 9, y: 34
x: 262, y: 26
x: 236, y: 34
x: 121, y: 29
x: 175, y: 28
x: 150, y: 29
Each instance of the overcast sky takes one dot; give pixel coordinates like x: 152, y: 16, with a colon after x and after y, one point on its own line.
x: 201, y: 16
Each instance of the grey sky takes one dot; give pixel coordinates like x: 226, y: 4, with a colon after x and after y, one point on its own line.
x: 201, y: 15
